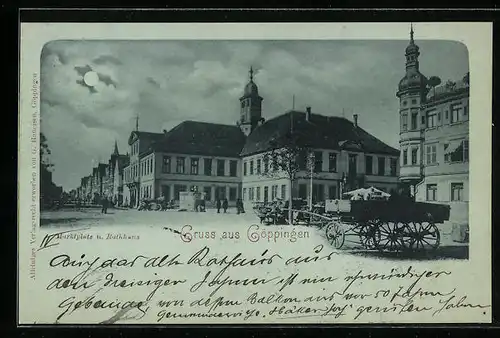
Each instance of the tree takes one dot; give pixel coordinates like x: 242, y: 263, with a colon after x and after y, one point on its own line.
x: 44, y: 154
x: 285, y: 159
x: 434, y: 81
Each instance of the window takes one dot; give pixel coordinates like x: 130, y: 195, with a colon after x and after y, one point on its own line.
x: 332, y: 192
x: 456, y: 109
x: 244, y: 168
x: 251, y: 167
x: 266, y: 164
x: 274, y: 192
x: 423, y: 120
x: 394, y: 165
x: 405, y: 157
x: 208, y: 193
x: 302, y: 191
x: 431, y: 119
x: 283, y: 191
x: 194, y: 166
x: 180, y: 165
x: 302, y: 160
x: 431, y: 192
x: 250, y: 194
x: 457, y: 191
x: 381, y: 166
x: 207, y: 170
x: 221, y: 192
x: 404, y: 122
x: 258, y: 194
x: 244, y: 194
x: 430, y: 152
x: 232, y: 168
x: 258, y: 166
x: 405, y: 103
x: 369, y: 165
x: 318, y: 161
x: 414, y: 101
x: 353, y: 163
x: 414, y: 153
x: 232, y: 194
x: 456, y: 151
x: 165, y: 192
x: 414, y: 119
x: 332, y: 162
x: 266, y: 194
x: 466, y: 111
x: 220, y: 167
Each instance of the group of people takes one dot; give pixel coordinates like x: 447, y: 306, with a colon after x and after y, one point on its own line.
x: 225, y: 205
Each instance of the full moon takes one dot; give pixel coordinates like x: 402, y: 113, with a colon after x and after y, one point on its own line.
x: 91, y: 78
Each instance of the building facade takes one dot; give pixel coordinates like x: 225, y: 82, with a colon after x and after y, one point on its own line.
x: 228, y: 161
x: 434, y: 133
x: 193, y: 156
x: 344, y: 158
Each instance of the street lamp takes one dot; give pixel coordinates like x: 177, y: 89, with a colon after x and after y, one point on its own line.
x: 343, y: 182
x: 311, y: 167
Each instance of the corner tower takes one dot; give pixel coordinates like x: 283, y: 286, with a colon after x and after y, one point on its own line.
x: 412, y: 91
x: 250, y: 106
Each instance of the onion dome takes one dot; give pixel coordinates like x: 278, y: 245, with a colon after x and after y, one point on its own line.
x: 251, y: 88
x: 412, y: 80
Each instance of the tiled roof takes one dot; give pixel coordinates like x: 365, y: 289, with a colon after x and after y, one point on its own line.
x: 202, y: 138
x: 144, y: 135
x: 327, y: 132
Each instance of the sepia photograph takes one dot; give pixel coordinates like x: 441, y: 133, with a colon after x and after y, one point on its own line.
x: 266, y: 178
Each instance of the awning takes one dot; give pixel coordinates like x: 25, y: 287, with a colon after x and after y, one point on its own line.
x: 452, y: 147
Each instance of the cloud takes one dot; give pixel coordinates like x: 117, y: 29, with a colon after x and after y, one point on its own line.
x: 167, y: 82
x: 82, y: 70
x: 107, y: 80
x: 105, y: 59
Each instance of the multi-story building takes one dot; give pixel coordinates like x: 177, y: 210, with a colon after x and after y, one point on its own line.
x: 434, y: 134
x: 227, y: 161
x: 345, y: 157
x: 193, y: 156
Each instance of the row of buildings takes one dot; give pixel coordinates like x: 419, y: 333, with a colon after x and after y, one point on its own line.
x: 229, y: 161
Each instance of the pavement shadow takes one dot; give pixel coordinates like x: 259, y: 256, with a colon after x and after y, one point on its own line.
x: 442, y: 252
x: 63, y: 221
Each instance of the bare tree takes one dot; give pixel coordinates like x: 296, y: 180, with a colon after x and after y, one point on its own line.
x: 286, y: 159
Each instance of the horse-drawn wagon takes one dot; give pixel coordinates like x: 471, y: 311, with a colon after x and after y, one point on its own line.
x: 385, y: 225
x: 393, y: 225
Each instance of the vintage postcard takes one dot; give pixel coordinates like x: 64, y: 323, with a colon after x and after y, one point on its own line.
x: 255, y: 173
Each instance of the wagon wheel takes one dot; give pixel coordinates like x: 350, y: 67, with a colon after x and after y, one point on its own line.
x: 424, y: 236
x: 335, y: 234
x: 392, y: 236
x: 369, y: 234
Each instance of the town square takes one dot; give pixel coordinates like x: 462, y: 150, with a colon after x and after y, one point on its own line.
x: 316, y: 160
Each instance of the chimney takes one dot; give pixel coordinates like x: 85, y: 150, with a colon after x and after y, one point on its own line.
x: 355, y: 117
x: 308, y: 114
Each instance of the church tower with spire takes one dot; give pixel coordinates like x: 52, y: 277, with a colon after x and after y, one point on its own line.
x: 250, y: 106
x: 412, y: 91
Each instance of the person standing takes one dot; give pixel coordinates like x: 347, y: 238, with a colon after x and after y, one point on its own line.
x: 217, y: 204
x: 225, y: 205
x: 104, y: 209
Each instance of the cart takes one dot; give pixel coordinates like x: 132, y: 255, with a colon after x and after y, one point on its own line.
x: 386, y: 225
